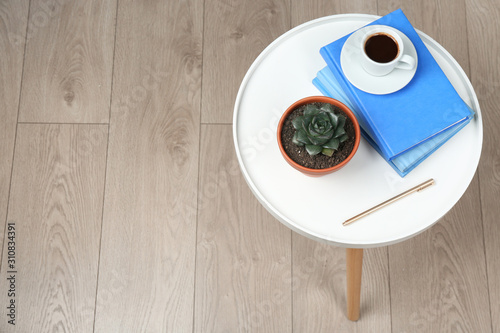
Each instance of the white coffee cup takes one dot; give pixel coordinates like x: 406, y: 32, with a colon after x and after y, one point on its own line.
x: 385, y: 51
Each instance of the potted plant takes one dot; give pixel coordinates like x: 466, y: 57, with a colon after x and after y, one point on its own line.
x: 318, y: 135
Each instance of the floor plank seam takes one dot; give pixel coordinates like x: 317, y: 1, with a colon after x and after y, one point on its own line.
x: 291, y: 274
x: 199, y: 166
x: 56, y: 123
x: 105, y: 169
x: 389, y: 284
x: 484, y: 249
x: 467, y: 40
x: 15, y: 134
x: 205, y: 123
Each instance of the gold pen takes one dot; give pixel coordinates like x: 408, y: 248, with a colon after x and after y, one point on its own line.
x: 387, y: 202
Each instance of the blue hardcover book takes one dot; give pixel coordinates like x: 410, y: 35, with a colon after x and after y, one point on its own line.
x: 428, y: 107
x: 402, y: 164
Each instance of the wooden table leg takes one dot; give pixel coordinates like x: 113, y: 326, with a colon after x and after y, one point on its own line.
x: 354, y: 263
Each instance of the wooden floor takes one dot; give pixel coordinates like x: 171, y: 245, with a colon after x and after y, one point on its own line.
x: 123, y: 203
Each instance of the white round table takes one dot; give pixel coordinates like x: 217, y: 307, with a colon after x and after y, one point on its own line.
x: 316, y: 207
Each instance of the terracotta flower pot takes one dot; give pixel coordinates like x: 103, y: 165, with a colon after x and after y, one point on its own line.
x: 321, y: 99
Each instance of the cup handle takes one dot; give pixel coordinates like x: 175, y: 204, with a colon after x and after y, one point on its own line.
x: 406, y: 62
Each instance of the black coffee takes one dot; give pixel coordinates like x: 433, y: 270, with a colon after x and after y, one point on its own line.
x: 381, y: 48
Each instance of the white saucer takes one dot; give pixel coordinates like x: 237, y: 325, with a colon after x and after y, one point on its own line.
x: 378, y: 85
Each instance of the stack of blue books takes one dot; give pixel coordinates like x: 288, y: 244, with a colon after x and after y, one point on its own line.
x: 408, y: 125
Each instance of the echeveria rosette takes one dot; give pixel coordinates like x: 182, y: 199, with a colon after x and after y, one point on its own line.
x: 320, y: 130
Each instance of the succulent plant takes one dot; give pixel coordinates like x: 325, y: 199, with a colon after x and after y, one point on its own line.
x: 320, y: 130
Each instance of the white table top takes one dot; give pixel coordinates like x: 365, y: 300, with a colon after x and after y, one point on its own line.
x: 316, y: 207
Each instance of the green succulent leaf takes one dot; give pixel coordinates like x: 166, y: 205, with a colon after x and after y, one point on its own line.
x: 306, y: 120
x: 320, y: 130
x: 334, y: 119
x: 326, y: 107
x: 310, y: 110
x: 325, y: 136
x: 317, y: 140
x: 341, y: 122
x: 332, y: 144
x: 321, y: 127
x: 339, y: 131
x: 298, y: 122
x: 323, y: 121
x: 327, y: 152
x: 313, y: 150
x: 322, y: 117
x: 295, y: 141
x: 301, y: 137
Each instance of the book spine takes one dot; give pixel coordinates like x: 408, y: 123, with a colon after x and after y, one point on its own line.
x: 363, y: 114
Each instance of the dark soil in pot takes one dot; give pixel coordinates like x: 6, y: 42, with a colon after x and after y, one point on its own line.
x: 320, y: 161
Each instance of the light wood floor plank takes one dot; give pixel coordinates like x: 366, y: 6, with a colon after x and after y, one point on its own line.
x: 319, y: 289
x: 482, y: 22
x: 235, y: 33
x: 69, y: 54
x: 443, y: 20
x: 56, y: 205
x: 243, y: 271
x: 306, y: 10
x: 438, y: 279
x: 185, y: 246
x: 13, y: 22
x: 319, y: 270
x: 146, y: 276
